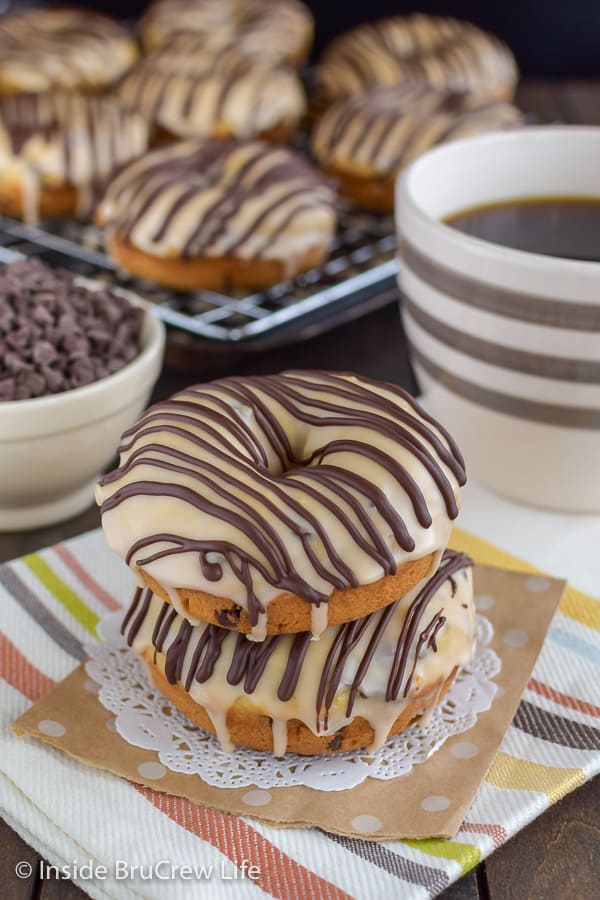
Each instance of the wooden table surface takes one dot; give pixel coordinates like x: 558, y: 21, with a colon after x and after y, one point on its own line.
x: 557, y: 857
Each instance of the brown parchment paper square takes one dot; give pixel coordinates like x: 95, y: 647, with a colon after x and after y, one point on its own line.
x: 508, y: 604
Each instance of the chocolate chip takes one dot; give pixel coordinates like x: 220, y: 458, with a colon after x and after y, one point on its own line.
x: 14, y: 362
x: 56, y: 333
x: 98, y: 337
x: 82, y: 372
x: 228, y: 618
x: 29, y: 384
x: 36, y: 383
x: 55, y: 380
x: 19, y: 339
x: 115, y: 364
x: 41, y: 315
x: 336, y: 742
x: 44, y: 353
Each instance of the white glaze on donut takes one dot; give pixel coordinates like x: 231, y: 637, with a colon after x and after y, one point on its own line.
x: 270, y: 30
x: 377, y: 133
x: 313, y: 681
x: 42, y: 49
x: 446, y: 53
x: 218, y: 199
x: 63, y: 139
x: 193, y: 92
x: 305, y: 482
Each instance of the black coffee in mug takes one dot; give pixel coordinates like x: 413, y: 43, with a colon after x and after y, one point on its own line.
x: 568, y: 227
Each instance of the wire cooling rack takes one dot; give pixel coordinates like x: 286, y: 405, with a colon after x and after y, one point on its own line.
x: 357, y: 275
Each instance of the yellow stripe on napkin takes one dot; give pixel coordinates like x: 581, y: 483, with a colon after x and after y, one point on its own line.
x: 574, y: 604
x: 523, y: 775
x: 61, y: 591
x: 466, y: 855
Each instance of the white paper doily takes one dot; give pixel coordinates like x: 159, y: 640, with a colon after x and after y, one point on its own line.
x: 145, y: 718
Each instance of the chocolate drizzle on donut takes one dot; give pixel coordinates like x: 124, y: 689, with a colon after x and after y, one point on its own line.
x: 249, y: 659
x: 45, y: 49
x: 191, y: 91
x: 262, y: 488
x: 219, y: 198
x: 443, y: 52
x: 71, y: 140
x: 272, y: 31
x: 95, y: 134
x: 221, y: 449
x: 384, y: 129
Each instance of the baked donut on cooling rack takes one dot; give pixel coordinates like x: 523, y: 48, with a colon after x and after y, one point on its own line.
x: 363, y: 141
x: 360, y: 683
x: 270, y: 30
x: 58, y: 149
x: 285, y: 503
x: 187, y: 91
x: 68, y: 48
x: 445, y: 53
x: 217, y: 215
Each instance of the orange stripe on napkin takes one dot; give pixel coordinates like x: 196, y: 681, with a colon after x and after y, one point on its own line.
x: 72, y: 563
x: 496, y: 832
x: 280, y: 875
x: 544, y: 690
x: 20, y: 673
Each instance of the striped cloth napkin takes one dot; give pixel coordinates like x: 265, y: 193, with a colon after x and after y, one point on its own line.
x: 70, y: 813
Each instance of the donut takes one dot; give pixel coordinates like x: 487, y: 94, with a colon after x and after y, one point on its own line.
x: 270, y: 30
x: 283, y: 503
x: 187, y: 91
x: 58, y: 149
x: 363, y: 141
x: 72, y: 49
x: 445, y: 53
x: 358, y: 684
x: 215, y: 214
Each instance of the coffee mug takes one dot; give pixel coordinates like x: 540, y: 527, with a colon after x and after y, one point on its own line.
x: 506, y: 344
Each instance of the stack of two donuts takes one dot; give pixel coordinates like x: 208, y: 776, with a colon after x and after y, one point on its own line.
x: 221, y: 68
x: 288, y: 534
x: 62, y: 131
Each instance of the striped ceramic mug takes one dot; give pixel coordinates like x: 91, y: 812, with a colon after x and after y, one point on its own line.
x: 506, y: 344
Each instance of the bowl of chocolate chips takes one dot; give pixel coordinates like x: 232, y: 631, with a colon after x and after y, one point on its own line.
x: 78, y: 361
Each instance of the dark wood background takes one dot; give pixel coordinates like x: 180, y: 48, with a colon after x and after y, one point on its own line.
x: 557, y: 857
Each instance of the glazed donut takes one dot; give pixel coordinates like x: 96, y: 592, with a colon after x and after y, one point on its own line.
x: 190, y: 92
x: 58, y: 149
x: 363, y: 141
x: 72, y: 49
x: 360, y: 683
x: 270, y: 30
x: 215, y: 214
x: 444, y: 53
x: 283, y: 503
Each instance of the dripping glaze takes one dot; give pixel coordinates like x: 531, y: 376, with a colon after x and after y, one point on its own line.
x: 369, y: 668
x: 306, y: 482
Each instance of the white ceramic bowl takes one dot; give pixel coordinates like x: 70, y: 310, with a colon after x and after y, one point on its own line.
x: 506, y: 344
x: 53, y: 448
